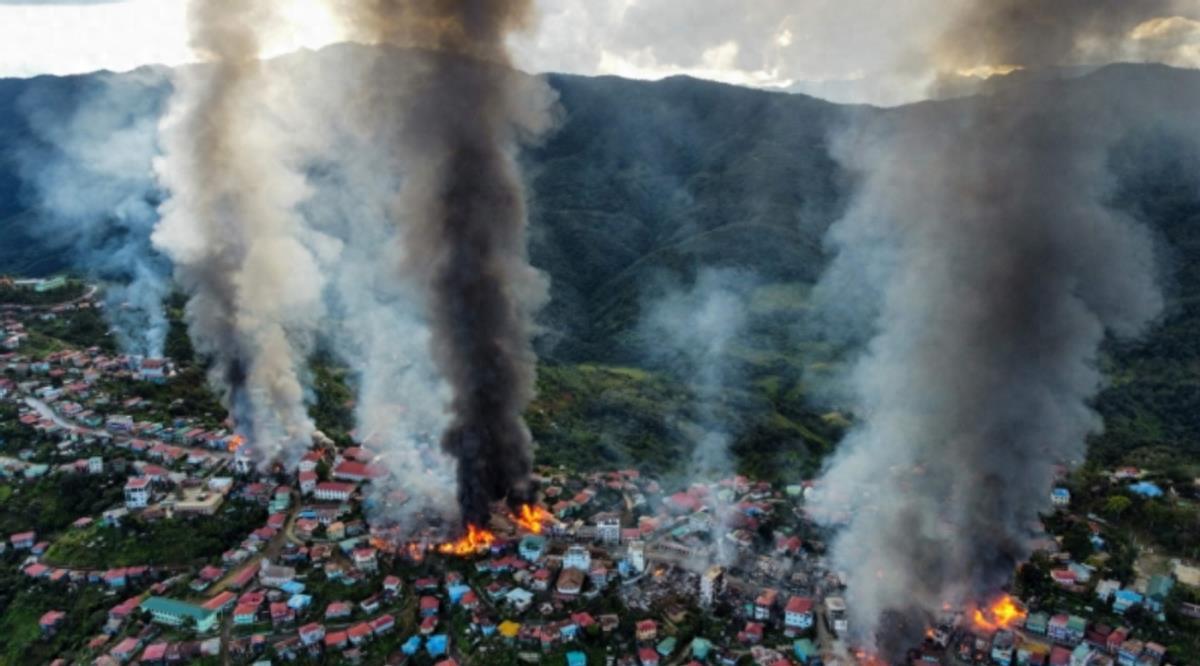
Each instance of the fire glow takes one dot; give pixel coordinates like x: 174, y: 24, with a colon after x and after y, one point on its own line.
x: 236, y: 443
x: 1004, y: 613
x: 471, y: 543
x: 532, y: 518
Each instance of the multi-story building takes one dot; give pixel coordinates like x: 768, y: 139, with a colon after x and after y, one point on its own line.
x: 137, y: 492
x: 637, y: 555
x: 608, y: 528
x: 577, y: 557
x: 333, y: 491
x: 798, y: 615
x: 175, y: 613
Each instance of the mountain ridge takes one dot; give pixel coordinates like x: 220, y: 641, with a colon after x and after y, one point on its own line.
x: 647, y: 184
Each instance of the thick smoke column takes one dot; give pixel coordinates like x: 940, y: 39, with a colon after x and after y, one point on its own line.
x: 232, y: 230
x: 87, y: 166
x: 999, y: 270
x: 462, y: 214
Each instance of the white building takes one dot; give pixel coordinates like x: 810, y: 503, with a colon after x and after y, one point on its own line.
x: 1060, y: 497
x: 152, y: 369
x: 637, y: 555
x: 608, y: 528
x: 119, y: 423
x: 798, y: 615
x: 309, y: 462
x: 308, y: 482
x: 137, y: 492
x: 835, y: 608
x: 95, y: 465
x: 271, y: 575
x: 577, y: 557
x: 333, y: 491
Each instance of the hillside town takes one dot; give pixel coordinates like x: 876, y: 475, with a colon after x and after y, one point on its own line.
x: 608, y: 567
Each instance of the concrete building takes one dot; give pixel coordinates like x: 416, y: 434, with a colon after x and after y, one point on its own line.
x: 637, y: 555
x: 608, y: 528
x: 1060, y: 497
x: 798, y: 615
x: 532, y: 547
x: 137, y: 492
x: 175, y: 613
x: 577, y: 557
x: 199, y: 501
x: 332, y: 491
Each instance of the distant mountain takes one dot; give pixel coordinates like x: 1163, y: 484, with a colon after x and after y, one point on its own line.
x: 648, y: 183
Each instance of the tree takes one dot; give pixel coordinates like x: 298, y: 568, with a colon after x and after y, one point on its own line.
x: 1116, y: 505
x: 1078, y: 541
x: 1032, y: 579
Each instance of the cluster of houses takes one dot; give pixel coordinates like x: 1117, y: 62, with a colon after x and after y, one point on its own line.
x: 613, y: 535
x: 1063, y: 640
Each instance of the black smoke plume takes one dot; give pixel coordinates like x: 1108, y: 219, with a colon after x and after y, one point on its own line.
x: 462, y: 215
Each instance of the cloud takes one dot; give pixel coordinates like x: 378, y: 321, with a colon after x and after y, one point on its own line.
x: 846, y: 50
x: 44, y: 3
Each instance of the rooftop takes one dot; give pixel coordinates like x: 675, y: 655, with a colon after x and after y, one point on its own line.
x: 175, y: 607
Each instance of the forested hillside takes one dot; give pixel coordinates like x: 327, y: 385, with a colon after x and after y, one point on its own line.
x: 645, y: 185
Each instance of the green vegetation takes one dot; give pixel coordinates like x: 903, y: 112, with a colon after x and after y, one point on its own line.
x: 52, y: 503
x: 333, y: 410
x: 1169, y: 522
x: 21, y: 640
x: 80, y: 329
x: 19, y: 295
x: 592, y: 417
x: 177, y: 541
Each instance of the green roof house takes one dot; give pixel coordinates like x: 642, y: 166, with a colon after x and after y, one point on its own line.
x: 176, y: 613
x: 1036, y: 622
x: 805, y: 650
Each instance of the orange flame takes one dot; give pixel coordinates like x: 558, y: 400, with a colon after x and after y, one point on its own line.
x: 235, y: 443
x: 475, y: 540
x: 532, y: 518
x: 416, y: 551
x: 868, y: 659
x: 1004, y: 613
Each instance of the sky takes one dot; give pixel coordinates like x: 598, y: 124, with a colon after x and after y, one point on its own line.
x: 849, y: 50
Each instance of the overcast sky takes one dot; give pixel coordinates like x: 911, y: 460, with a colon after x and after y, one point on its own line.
x: 858, y: 49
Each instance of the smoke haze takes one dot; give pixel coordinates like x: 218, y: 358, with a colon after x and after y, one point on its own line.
x: 690, y: 331
x: 88, y: 173
x: 996, y: 269
x: 232, y: 230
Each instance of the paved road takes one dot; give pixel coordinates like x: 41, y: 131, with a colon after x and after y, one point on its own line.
x: 48, y: 412
x: 87, y: 294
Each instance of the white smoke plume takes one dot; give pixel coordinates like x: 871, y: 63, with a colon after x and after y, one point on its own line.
x: 690, y: 331
x: 995, y: 269
x: 87, y: 166
x: 232, y: 228
x: 374, y: 322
